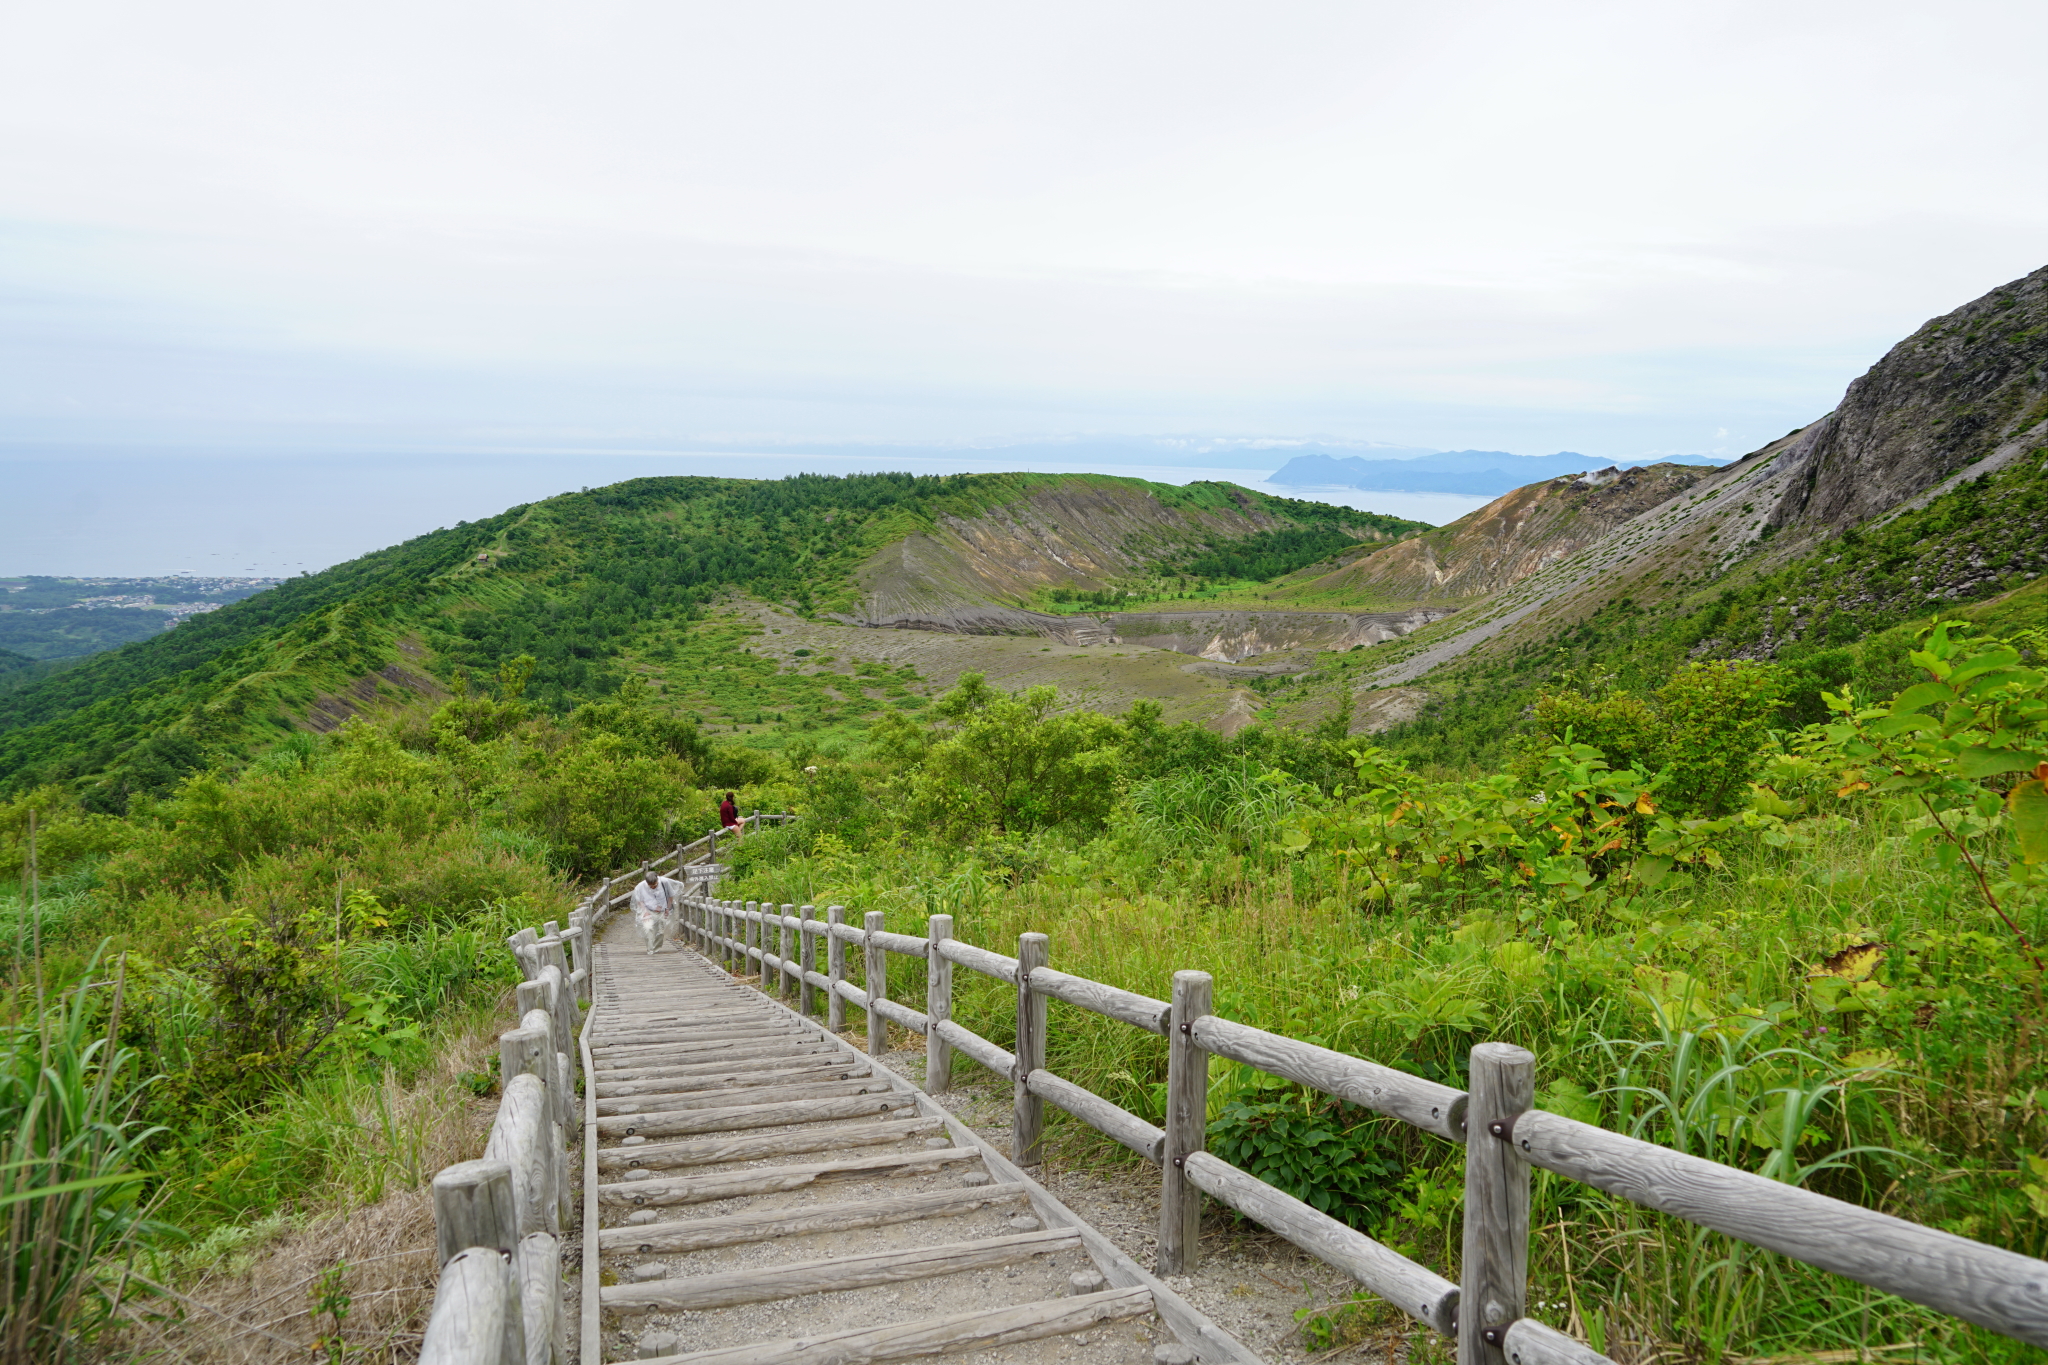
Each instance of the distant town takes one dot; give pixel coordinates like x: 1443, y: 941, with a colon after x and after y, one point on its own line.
x: 47, y: 618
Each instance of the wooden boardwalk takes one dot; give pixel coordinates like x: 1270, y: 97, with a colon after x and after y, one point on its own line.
x: 764, y: 1193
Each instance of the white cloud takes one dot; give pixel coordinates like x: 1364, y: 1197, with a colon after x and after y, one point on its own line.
x: 1487, y: 224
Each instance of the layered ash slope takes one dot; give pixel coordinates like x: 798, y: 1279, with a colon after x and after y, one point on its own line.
x: 1506, y: 541
x: 973, y: 575
x: 1230, y: 636
x: 1965, y: 395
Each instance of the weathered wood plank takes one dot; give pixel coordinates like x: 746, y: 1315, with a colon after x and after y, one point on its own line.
x: 978, y: 1048
x: 1099, y: 1114
x: 2000, y: 1290
x: 1425, y: 1104
x: 1027, y: 1111
x: 750, y: 1116
x: 734, y: 1025
x: 1187, y: 1120
x: 904, y: 945
x: 835, y: 968
x: 980, y: 960
x: 1496, y: 1254
x: 876, y: 966
x: 703, y: 1189
x: 538, y: 1267
x: 476, y: 1318
x: 1140, y: 1010
x: 1529, y: 1342
x: 828, y: 1068
x: 473, y: 1208
x: 761, y: 1225
x: 763, y: 1284
x: 755, y: 1146
x: 901, y: 1015
x: 676, y: 1104
x: 938, y: 1007
x: 1427, y: 1297
x: 519, y: 1138
x: 950, y: 1335
x: 736, y: 1047
x: 725, y: 1063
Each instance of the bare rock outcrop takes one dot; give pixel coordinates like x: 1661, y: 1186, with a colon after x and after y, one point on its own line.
x: 1965, y: 388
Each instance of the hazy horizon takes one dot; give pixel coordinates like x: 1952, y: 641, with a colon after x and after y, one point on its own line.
x: 1147, y: 237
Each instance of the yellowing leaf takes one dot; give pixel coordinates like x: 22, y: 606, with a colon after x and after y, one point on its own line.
x: 1852, y: 964
x: 2028, y: 807
x: 1852, y: 789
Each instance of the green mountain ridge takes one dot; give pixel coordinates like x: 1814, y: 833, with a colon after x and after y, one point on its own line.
x: 573, y: 581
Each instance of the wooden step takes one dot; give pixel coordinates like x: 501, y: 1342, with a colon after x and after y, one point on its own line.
x: 729, y: 1027
x: 806, y: 1056
x: 724, y: 1099
x: 703, y: 1189
x: 761, y: 1225
x: 753, y: 1116
x: 797, y: 1071
x: 864, y: 1271
x: 756, y: 1146
x: 949, y: 1335
x: 611, y: 1059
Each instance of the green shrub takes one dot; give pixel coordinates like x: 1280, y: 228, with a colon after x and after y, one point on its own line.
x: 1327, y: 1155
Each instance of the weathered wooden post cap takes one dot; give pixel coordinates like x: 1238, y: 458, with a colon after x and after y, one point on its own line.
x: 473, y: 1208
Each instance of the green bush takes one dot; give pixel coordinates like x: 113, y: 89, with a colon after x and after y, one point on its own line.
x: 1327, y: 1155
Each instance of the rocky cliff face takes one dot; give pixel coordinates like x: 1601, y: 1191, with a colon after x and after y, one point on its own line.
x: 1969, y: 388
x: 1512, y: 537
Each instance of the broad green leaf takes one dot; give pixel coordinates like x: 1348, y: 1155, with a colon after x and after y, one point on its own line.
x: 2028, y: 807
x: 1982, y: 761
x: 1920, y: 695
x: 1650, y: 871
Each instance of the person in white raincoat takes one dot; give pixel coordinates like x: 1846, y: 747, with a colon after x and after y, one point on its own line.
x: 654, y: 909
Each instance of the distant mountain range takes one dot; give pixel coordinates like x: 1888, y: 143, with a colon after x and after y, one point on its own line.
x: 1480, y: 473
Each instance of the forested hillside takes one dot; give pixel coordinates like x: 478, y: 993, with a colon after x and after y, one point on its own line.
x: 571, y: 582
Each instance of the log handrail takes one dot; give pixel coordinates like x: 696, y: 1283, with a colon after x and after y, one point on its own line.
x: 2000, y: 1290
x: 501, y: 1204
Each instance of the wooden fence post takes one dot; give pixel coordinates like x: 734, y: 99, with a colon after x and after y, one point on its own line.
x: 477, y: 1317
x: 938, y: 1006
x: 835, y: 969
x: 807, y: 960
x: 877, y: 968
x: 1187, y: 1124
x: 782, y: 945
x: 1027, y: 1122
x: 473, y: 1208
x: 1495, y: 1287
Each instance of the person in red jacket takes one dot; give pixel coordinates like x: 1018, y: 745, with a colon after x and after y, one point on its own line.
x: 729, y: 815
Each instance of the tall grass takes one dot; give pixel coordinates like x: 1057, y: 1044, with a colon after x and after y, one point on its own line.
x: 1692, y: 1018
x: 70, y: 1173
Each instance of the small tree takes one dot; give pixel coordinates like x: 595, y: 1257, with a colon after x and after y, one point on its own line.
x: 1013, y: 763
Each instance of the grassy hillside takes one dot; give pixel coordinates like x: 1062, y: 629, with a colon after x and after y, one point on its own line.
x: 574, y: 582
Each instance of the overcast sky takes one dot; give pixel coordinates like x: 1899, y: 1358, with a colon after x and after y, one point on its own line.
x: 1623, y: 229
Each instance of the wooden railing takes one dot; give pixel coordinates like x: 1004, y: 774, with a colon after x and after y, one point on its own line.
x: 1505, y: 1137
x: 498, y: 1221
